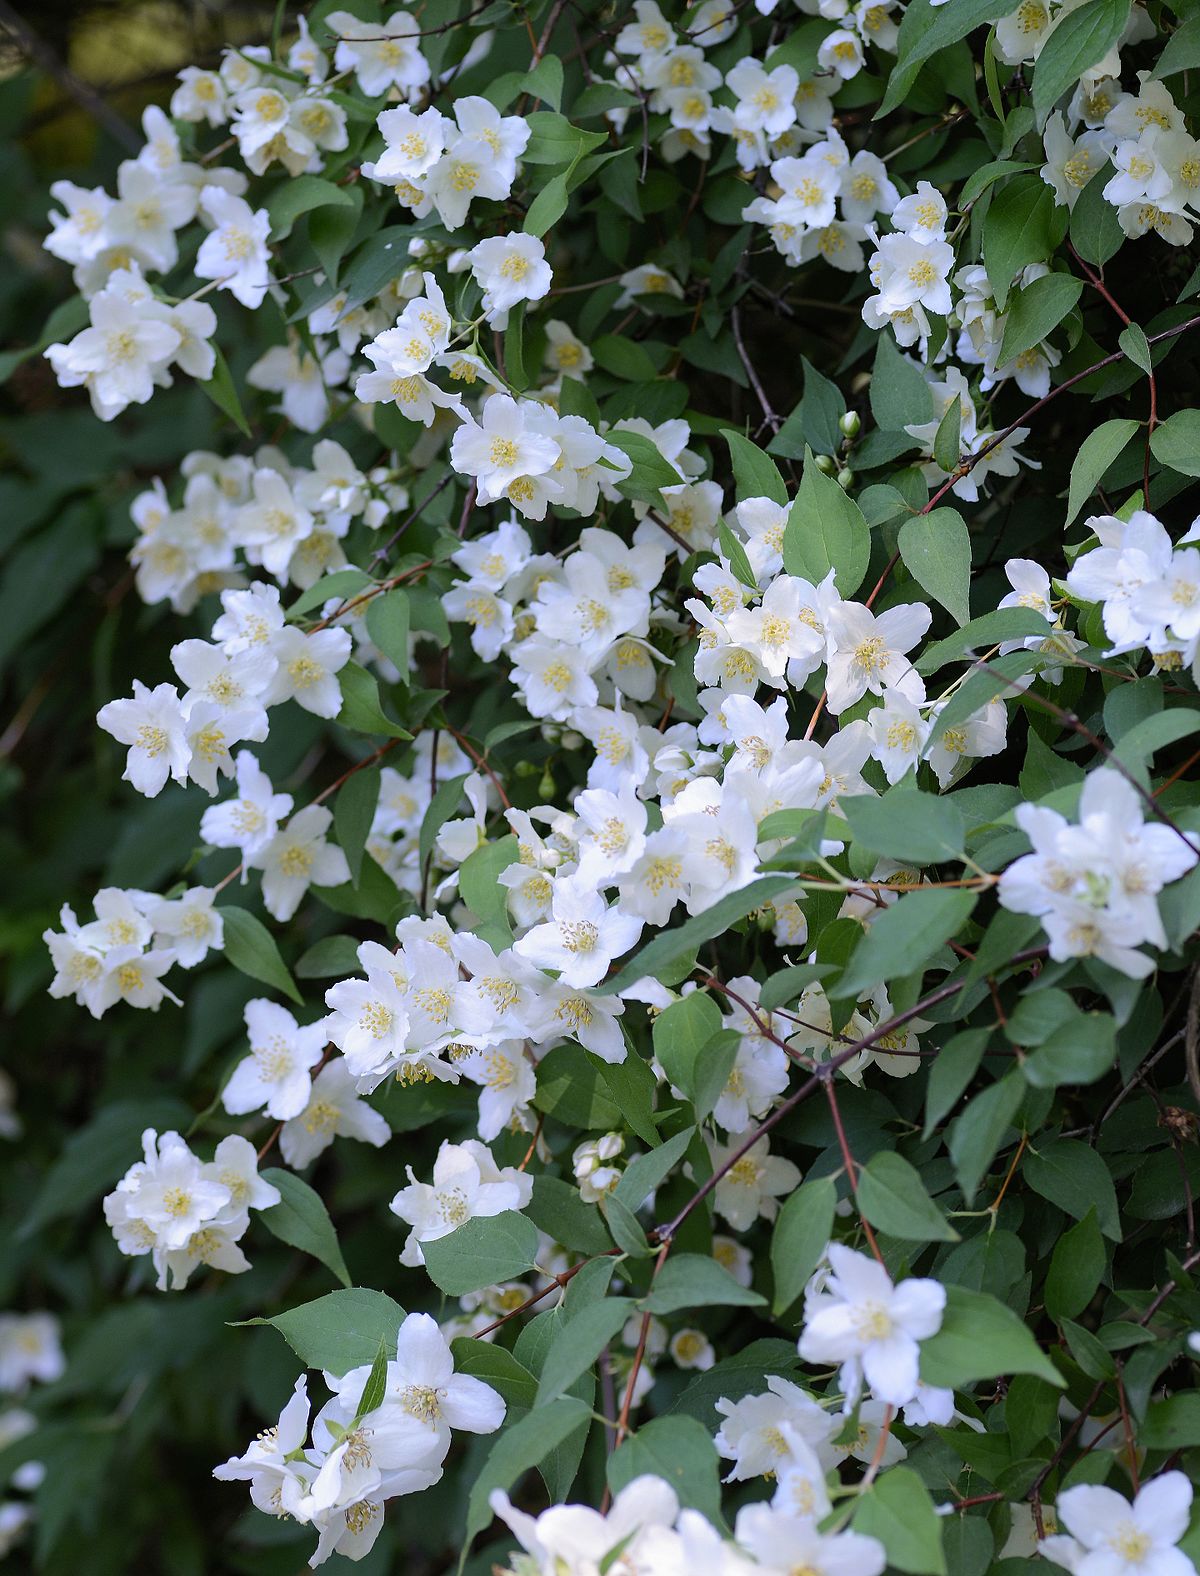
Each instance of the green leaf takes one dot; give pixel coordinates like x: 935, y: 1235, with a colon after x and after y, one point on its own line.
x: 947, y: 440
x: 1096, y: 453
x: 495, y: 1366
x: 1173, y: 1424
x: 936, y: 549
x: 976, y: 1134
x: 1035, y: 311
x: 691, y: 1280
x: 332, y: 957
x: 578, y: 1344
x: 981, y: 1338
x: 1136, y: 346
x: 1020, y: 227
x: 917, y: 828
x: 482, y: 1251
x: 646, y: 1172
x: 679, y: 1450
x: 900, y: 941
x: 301, y: 1220
x: 222, y: 390
x: 442, y: 807
x: 361, y: 711
x: 381, y: 258
x: 634, y: 1087
x: 342, y: 585
x: 1182, y: 50
x: 554, y: 140
x: 800, y: 1238
x: 1077, y: 41
x: 899, y: 1512
x: 893, y: 1198
x: 388, y: 619
x: 301, y: 194
x: 735, y: 554
x: 925, y: 31
x: 341, y: 1330
x: 330, y: 231
x: 680, y: 1032
x: 900, y: 396
x: 987, y: 175
x: 670, y: 946
x: 353, y: 812
x: 479, y: 885
x: 825, y: 530
x: 1072, y: 1175
x: 557, y: 1209
x: 375, y: 1389
x: 545, y: 81
x: 1076, y: 1269
x: 815, y: 420
x: 251, y: 948
x: 624, y: 358
x: 548, y: 207
x: 1006, y: 623
x: 66, y: 320
x: 953, y: 1069
x: 1176, y: 442
x: 516, y: 1449
x: 755, y: 474
x: 650, y: 471
x: 1096, y: 232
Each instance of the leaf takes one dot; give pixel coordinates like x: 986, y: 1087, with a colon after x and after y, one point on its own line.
x: 301, y: 194
x: 976, y: 1134
x: 518, y: 1448
x: 388, y: 618
x: 670, y: 946
x: 1095, y: 229
x: 579, y: 1343
x: 1076, y: 42
x: 341, y: 1330
x: 548, y: 207
x: 554, y: 140
x: 1035, y: 311
x: 1136, y: 346
x: 815, y: 420
x: 936, y: 549
x: 381, y: 258
x: 1020, y: 227
x: 755, y: 474
x: 330, y: 231
x: 1076, y: 1268
x: 904, y: 937
x: 735, y: 554
x: 341, y: 585
x: 899, y: 394
x: 545, y: 81
x: 646, y: 1172
x: 680, y: 1032
x: 479, y: 886
x: 482, y: 1251
x: 925, y: 31
x: 375, y: 1389
x: 66, y: 320
x: 826, y: 530
x: 1182, y: 50
x: 899, y: 1512
x: 1176, y: 442
x: 953, y: 1069
x: 353, y: 812
x: 651, y: 472
x: 679, y: 1451
x: 495, y: 1366
x: 361, y: 711
x: 947, y: 440
x: 1096, y: 453
x: 1072, y: 1175
x: 301, y: 1220
x: 441, y: 807
x: 557, y: 1209
x: 691, y: 1280
x: 917, y: 828
x: 1173, y: 1424
x: 981, y: 1338
x: 1006, y: 623
x: 893, y: 1198
x: 330, y: 958
x: 251, y: 948
x: 800, y: 1238
x: 222, y: 390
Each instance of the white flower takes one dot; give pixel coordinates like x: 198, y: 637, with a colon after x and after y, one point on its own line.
x: 296, y: 858
x: 1108, y: 1536
x: 753, y: 1185
x: 868, y: 652
x: 153, y: 725
x: 120, y: 358
x: 764, y: 1433
x: 508, y: 269
x: 275, y: 1076
x: 381, y: 54
x: 578, y: 1539
x: 368, y: 1019
x: 790, y: 1542
x: 466, y: 1185
x: 334, y: 1110
x: 501, y: 449
x: 189, y: 925
x: 250, y: 821
x: 582, y: 936
x: 30, y: 1348
x: 873, y: 1328
x: 277, y: 1484
x: 234, y: 252
x: 274, y: 524
x: 307, y: 669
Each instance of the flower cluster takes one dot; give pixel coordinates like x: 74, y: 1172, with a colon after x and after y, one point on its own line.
x: 30, y: 1350
x: 185, y: 1212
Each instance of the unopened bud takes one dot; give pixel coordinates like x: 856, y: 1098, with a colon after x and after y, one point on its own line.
x: 546, y: 788
x: 845, y: 478
x: 826, y: 463
x: 850, y: 423
x: 525, y: 768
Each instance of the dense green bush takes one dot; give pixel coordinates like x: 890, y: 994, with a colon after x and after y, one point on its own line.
x: 605, y: 618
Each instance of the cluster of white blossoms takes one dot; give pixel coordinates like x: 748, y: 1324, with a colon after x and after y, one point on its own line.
x: 1147, y: 586
x: 444, y: 163
x: 185, y: 1212
x: 369, y: 1443
x: 30, y: 1352
x: 122, y: 954
x: 1094, y: 884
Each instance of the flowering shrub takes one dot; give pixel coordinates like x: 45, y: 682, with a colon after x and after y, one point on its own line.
x: 673, y: 704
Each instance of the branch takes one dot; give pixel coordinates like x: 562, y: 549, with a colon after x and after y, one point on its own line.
x: 39, y: 53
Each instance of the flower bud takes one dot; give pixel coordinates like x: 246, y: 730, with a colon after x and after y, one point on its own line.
x: 845, y: 478
x: 826, y: 463
x: 546, y: 788
x: 850, y: 423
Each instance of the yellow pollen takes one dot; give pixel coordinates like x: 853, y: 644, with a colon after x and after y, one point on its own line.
x: 176, y: 1201
x: 663, y: 872
x: 296, y: 862
x: 503, y: 453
